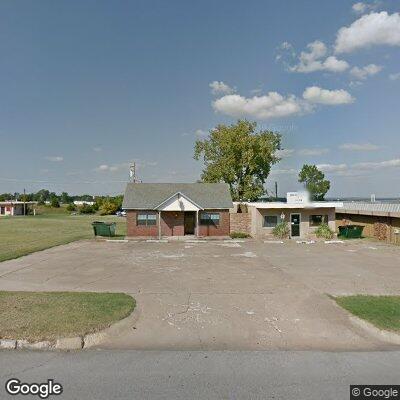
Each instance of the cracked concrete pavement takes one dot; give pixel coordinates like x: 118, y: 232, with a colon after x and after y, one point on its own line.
x: 221, y: 295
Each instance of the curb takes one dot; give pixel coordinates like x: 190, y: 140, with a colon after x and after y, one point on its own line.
x: 381, y: 334
x: 367, y: 327
x: 73, y: 343
x: 94, y: 339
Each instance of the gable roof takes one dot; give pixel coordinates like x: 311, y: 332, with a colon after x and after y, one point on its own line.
x: 177, y: 195
x: 148, y: 196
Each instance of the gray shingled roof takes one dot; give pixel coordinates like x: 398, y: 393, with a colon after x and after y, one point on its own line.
x: 147, y: 196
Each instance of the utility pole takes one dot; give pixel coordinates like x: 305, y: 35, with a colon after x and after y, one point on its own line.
x: 276, y: 190
x: 132, y: 174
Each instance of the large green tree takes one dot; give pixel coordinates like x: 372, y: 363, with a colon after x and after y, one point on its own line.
x: 314, y: 181
x: 240, y: 156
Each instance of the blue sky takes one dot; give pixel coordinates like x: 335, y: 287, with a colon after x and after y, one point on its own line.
x: 89, y: 86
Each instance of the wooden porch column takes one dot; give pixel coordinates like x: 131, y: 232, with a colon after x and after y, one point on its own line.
x: 159, y: 225
x: 197, y: 224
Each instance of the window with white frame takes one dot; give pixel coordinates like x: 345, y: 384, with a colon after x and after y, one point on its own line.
x: 270, y: 221
x: 146, y: 219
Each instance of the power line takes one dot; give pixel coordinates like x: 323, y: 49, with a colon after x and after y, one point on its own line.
x: 61, y: 183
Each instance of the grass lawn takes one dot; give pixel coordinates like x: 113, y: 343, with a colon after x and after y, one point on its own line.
x: 46, y: 210
x: 23, y: 235
x: 37, y: 316
x: 382, y: 311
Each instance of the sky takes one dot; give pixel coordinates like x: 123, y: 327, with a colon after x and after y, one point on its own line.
x: 88, y: 87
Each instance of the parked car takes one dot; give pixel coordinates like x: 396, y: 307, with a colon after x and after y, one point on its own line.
x: 121, y: 213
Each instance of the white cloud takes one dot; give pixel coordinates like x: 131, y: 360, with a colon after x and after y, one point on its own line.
x: 286, y: 46
x: 313, y: 152
x: 394, y: 77
x: 289, y: 171
x: 140, y: 164
x: 311, y: 60
x: 285, y: 50
x: 369, y: 30
x: 359, y: 147
x: 284, y: 153
x: 201, y: 133
x: 271, y: 105
x: 221, y: 88
x: 275, y: 105
x: 256, y: 91
x: 54, y: 158
x: 315, y: 94
x: 107, y: 168
x: 354, y: 84
x: 377, y: 165
x: 362, y: 8
x: 364, y: 72
x: 359, y: 7
x: 332, y: 64
x: 332, y: 167
x: 97, y: 149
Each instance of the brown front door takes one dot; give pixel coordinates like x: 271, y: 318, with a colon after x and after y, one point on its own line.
x: 189, y: 223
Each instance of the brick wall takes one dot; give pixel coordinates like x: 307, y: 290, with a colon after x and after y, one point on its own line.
x: 132, y: 229
x: 216, y: 230
x: 381, y: 228
x: 240, y: 222
x: 172, y: 223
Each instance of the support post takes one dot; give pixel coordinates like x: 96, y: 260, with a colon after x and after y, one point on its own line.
x: 159, y: 225
x: 197, y: 224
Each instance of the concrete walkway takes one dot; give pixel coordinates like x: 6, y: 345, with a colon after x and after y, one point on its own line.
x: 222, y: 295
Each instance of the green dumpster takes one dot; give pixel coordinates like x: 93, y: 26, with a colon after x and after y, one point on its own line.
x: 104, y: 228
x: 351, y: 231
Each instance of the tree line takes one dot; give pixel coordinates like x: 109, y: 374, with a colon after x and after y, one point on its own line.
x: 105, y: 205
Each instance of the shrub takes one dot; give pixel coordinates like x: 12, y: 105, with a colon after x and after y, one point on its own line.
x: 108, y: 208
x: 239, y: 235
x: 54, y: 202
x: 323, y: 231
x: 281, y: 230
x: 86, y: 209
x: 71, y: 207
x: 242, y: 208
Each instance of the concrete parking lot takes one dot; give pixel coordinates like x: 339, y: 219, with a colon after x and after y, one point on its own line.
x: 222, y: 294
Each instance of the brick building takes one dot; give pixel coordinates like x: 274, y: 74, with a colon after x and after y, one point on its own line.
x: 177, y: 209
x: 380, y: 220
x: 13, y: 207
x: 301, y: 215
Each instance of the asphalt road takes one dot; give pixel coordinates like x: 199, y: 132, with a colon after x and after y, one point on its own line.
x: 200, y: 375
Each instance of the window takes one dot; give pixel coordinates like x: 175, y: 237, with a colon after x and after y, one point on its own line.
x: 270, y: 221
x: 146, y: 219
x: 209, y: 218
x: 317, y: 220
